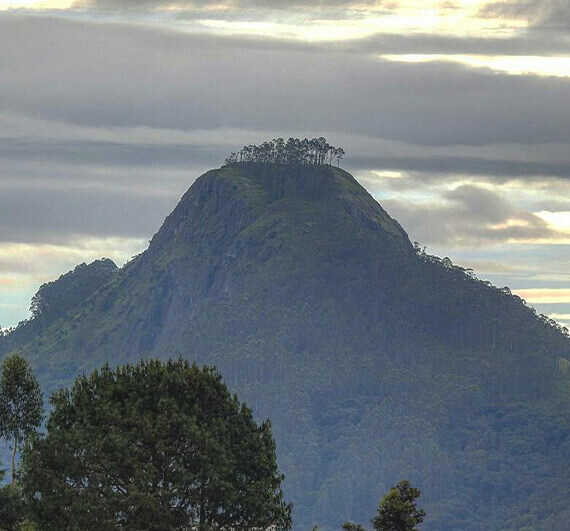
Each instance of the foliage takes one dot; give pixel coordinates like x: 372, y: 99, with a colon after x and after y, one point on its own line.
x: 295, y: 151
x: 153, y: 446
x: 11, y: 507
x: 21, y: 404
x: 398, y: 510
x: 349, y: 526
x: 53, y: 299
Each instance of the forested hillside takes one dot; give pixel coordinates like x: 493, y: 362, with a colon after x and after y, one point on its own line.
x: 54, y: 299
x: 374, y: 361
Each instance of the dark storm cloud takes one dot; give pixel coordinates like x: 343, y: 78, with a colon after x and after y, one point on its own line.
x: 528, y: 43
x: 470, y: 216
x: 111, y: 153
x: 55, y: 216
x: 113, y: 75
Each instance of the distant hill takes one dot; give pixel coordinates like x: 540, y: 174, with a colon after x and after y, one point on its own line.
x: 54, y: 299
x: 374, y: 361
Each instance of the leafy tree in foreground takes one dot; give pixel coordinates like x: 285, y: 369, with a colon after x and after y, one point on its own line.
x: 153, y: 446
x: 349, y: 526
x: 21, y: 404
x: 11, y: 507
x: 398, y: 510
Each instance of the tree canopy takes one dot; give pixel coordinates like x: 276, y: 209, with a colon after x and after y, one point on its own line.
x: 12, y: 510
x: 153, y: 446
x: 316, y: 151
x: 53, y: 299
x: 398, y: 510
x: 21, y: 404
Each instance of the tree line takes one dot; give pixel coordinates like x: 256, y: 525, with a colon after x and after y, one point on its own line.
x: 454, y: 269
x: 315, y: 151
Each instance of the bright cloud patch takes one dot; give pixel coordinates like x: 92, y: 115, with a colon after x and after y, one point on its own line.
x: 514, y: 65
x: 545, y: 295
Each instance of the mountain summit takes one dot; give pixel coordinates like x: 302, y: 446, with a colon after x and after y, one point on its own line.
x: 374, y: 361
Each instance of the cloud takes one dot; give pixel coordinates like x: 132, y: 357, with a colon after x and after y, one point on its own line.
x: 522, y: 44
x: 453, y: 165
x: 56, y: 216
x: 545, y: 295
x: 116, y: 76
x: 47, y: 261
x: 540, y: 14
x: 487, y: 266
x: 553, y: 205
x: 470, y: 216
x: 124, y: 5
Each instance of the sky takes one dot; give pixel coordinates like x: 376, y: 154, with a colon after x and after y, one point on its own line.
x: 455, y: 115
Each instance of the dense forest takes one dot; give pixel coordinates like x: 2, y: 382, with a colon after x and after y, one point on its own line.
x: 151, y: 445
x: 54, y: 299
x: 374, y: 360
x: 315, y: 151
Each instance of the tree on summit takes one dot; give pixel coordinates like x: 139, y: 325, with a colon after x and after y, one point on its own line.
x: 338, y: 155
x: 316, y: 151
x: 154, y: 446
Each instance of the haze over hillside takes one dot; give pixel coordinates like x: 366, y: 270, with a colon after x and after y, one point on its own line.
x: 373, y: 360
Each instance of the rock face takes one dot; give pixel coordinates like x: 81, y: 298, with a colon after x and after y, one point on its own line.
x: 375, y: 362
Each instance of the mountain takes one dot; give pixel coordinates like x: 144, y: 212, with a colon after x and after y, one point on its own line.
x: 374, y: 361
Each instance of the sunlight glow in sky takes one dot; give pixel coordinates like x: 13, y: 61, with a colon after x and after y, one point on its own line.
x: 35, y: 4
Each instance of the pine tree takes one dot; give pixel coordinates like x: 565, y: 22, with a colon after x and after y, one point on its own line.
x: 154, y: 446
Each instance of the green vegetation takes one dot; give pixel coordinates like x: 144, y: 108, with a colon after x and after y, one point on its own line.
x: 54, y: 299
x: 350, y: 526
x: 21, y: 405
x: 153, y: 446
x: 12, y: 510
x: 295, y: 151
x: 373, y: 360
x: 397, y: 511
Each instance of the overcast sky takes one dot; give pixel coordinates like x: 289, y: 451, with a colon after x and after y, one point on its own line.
x: 454, y: 114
